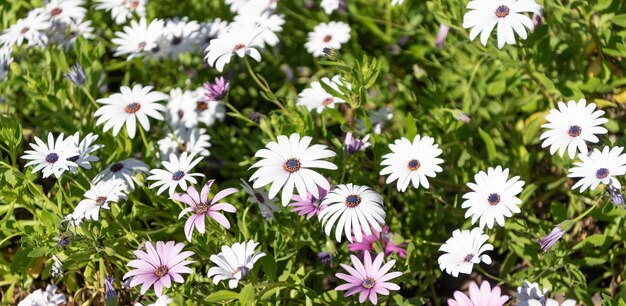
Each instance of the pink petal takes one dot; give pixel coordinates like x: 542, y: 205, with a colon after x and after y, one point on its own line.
x: 222, y: 194
x: 193, y: 193
x: 220, y: 219
x: 223, y: 206
x: 205, y: 191
x: 200, y: 224
x: 189, y: 226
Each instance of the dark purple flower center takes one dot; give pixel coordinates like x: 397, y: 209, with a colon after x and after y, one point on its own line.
x: 468, y: 257
x: 502, y: 11
x: 201, y: 208
x: 602, y: 173
x: 100, y: 201
x: 73, y: 158
x: 141, y: 45
x: 414, y: 164
x: 292, y: 165
x: 327, y: 38
x: 177, y: 40
x: 116, y: 167
x: 259, y: 197
x: 353, y: 200
x: 202, y: 105
x: 132, y: 107
x: 24, y: 30
x: 180, y: 113
x: 160, y: 271
x: 574, y: 131
x: 493, y: 199
x: 52, y: 158
x: 178, y: 175
x: 368, y: 283
x: 328, y: 101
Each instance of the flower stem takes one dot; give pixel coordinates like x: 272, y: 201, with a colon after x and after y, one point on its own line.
x: 264, y: 87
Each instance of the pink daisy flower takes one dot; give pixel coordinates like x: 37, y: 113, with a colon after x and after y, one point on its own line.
x: 311, y: 205
x: 369, y: 243
x: 483, y: 296
x: 159, y: 267
x: 200, y: 205
x: 367, y: 278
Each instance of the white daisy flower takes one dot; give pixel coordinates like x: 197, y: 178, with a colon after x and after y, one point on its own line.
x: 126, y: 170
x: 571, y: 126
x: 329, y: 6
x: 32, y: 29
x: 53, y: 157
x: 412, y: 162
x: 181, y: 35
x: 5, y: 60
x: 65, y: 11
x: 327, y: 35
x: 84, y: 148
x: 66, y: 34
x: 50, y: 297
x: 237, y: 39
x: 182, y: 139
x: 508, y: 15
x: 99, y: 196
x: 493, y: 197
x: 599, y: 167
x: 208, y: 31
x: 355, y: 208
x: 317, y: 98
x: 208, y: 112
x: 237, y: 6
x: 260, y: 196
x: 234, y: 263
x: 177, y: 173
x: 273, y: 23
x: 377, y: 119
x: 553, y: 302
x: 163, y: 300
x: 463, y: 250
x: 128, y: 106
x: 122, y: 10
x: 286, y: 164
x: 530, y: 293
x: 73, y: 220
x: 181, y: 108
x: 138, y: 39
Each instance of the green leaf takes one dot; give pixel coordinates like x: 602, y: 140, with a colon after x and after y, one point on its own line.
x: 619, y: 20
x: 246, y: 295
x: 593, y: 241
x: 269, y: 266
x: 411, y: 128
x: 38, y: 252
x: 490, y: 145
x: 496, y: 88
x: 221, y: 296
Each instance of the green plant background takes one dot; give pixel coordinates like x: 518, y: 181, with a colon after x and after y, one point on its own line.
x: 391, y: 61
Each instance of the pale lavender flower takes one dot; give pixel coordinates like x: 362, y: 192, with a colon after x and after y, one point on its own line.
x: 354, y: 144
x: 616, y: 196
x: 311, y: 205
x: 326, y: 258
x: 537, y: 19
x: 217, y: 91
x: 368, y: 278
x: 76, y: 75
x: 109, y: 295
x: 555, y: 235
x: 159, y: 266
x: 441, y: 35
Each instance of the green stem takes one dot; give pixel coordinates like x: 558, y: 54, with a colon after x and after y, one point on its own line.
x: 597, y: 202
x: 264, y: 87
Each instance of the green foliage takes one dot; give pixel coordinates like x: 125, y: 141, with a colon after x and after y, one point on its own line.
x: 390, y: 61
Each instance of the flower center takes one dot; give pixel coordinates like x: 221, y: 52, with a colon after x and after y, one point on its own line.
x: 259, y: 197
x: 468, y: 257
x: 24, y: 30
x: 180, y: 113
x: 414, y: 164
x: 493, y: 199
x: 328, y: 101
x: 327, y: 38
x: 56, y: 11
x: 134, y: 5
x: 73, y: 158
x: 238, y: 47
x: 160, y: 271
x: 292, y: 165
x: 244, y: 272
x: 502, y: 11
x: 141, y: 45
x: 201, y: 208
x: 132, y: 107
x: 602, y: 173
x: 574, y: 131
x: 202, y: 106
x: 52, y: 158
x: 368, y: 283
x: 178, y: 175
x: 177, y: 40
x: 353, y: 200
x: 100, y: 201
x: 116, y: 167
